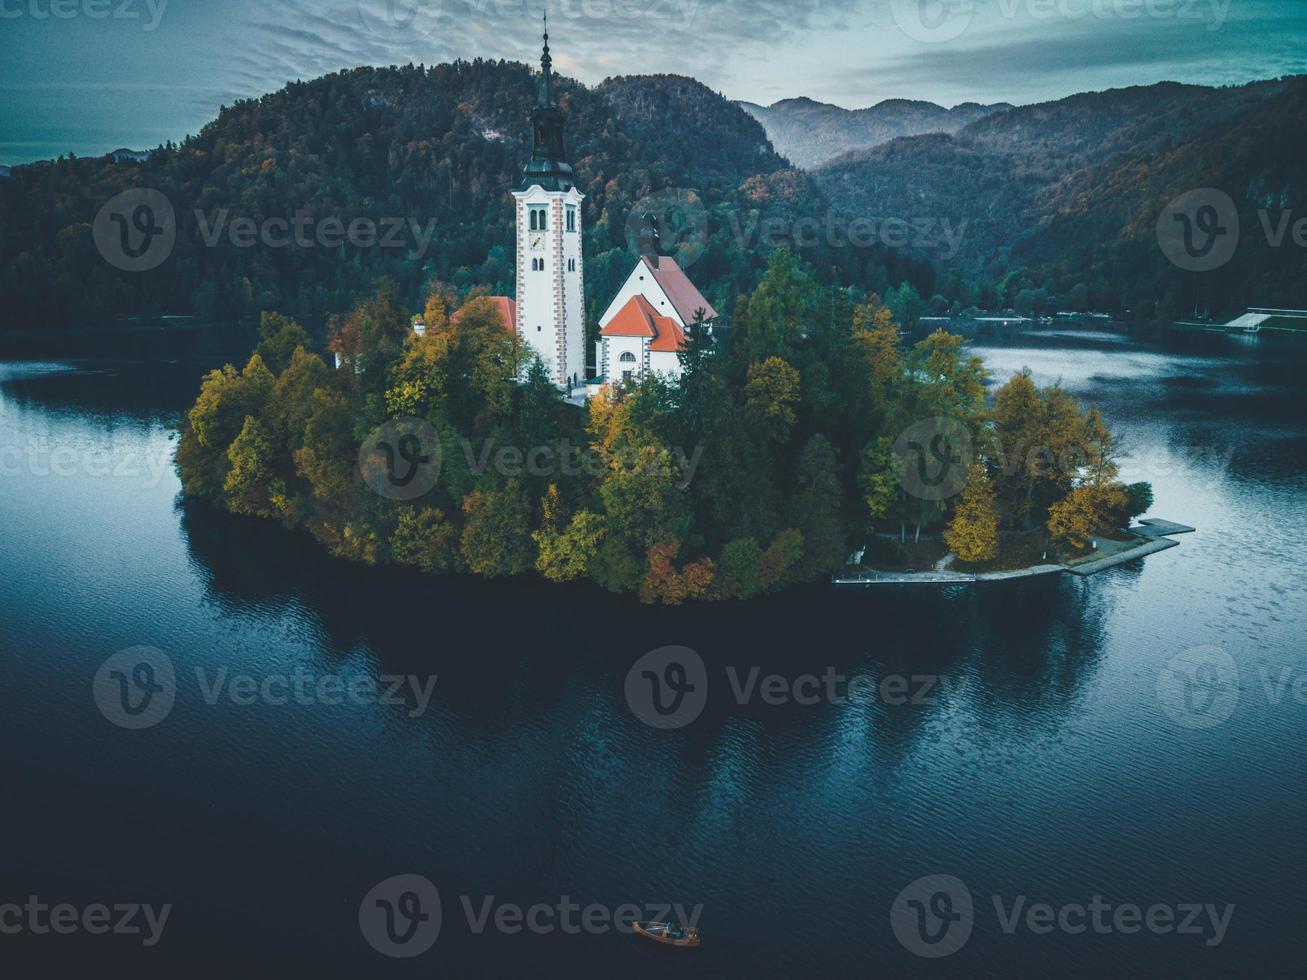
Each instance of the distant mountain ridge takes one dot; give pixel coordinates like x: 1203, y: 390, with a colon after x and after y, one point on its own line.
x: 1067, y: 194
x: 810, y: 133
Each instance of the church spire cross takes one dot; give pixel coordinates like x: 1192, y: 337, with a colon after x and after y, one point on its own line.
x: 546, y: 62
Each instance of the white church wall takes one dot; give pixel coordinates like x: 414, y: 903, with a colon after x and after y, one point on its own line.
x: 615, y: 367
x: 665, y: 363
x: 641, y: 283
x: 574, y: 289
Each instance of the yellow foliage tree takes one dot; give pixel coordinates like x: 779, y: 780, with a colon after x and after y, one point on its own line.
x: 662, y: 581
x: 772, y: 391
x: 973, y: 532
x: 565, y: 548
x: 1085, y: 511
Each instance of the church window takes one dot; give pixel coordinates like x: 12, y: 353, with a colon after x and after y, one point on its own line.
x: 571, y: 218
x: 537, y: 220
x: 627, y: 357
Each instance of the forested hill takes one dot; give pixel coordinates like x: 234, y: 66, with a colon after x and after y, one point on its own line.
x: 1061, y: 200
x: 674, y: 115
x: 443, y: 144
x: 1042, y: 207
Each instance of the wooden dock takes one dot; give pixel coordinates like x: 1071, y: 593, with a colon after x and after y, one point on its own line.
x: 1151, y: 536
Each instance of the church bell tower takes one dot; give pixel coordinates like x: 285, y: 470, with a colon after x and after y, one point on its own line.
x: 550, y: 284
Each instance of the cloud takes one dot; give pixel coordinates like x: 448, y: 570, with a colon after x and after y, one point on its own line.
x: 207, y: 53
x: 1007, y: 57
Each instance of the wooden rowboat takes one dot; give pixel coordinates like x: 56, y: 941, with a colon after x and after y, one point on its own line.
x: 668, y: 933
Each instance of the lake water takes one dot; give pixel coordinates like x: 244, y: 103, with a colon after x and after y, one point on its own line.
x: 1059, y: 751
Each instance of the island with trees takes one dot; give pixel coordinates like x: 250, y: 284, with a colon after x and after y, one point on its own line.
x: 775, y: 454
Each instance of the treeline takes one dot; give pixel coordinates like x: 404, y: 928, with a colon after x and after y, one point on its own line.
x: 435, y: 148
x: 756, y: 470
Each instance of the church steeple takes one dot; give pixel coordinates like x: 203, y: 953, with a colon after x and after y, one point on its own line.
x: 548, y: 165
x: 546, y: 63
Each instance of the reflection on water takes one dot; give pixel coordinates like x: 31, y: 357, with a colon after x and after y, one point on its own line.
x: 1031, y: 757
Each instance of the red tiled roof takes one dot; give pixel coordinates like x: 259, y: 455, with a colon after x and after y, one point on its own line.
x: 638, y: 318
x: 684, y: 295
x: 507, y: 312
x: 669, y: 339
x: 635, y: 319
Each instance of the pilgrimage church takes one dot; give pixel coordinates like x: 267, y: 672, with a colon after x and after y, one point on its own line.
x: 643, y: 325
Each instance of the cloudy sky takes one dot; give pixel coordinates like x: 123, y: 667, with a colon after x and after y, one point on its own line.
x: 88, y: 76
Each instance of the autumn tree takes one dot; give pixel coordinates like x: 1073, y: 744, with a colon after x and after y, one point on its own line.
x: 1084, y: 512
x: 664, y: 582
x: 770, y: 395
x: 973, y: 532
x: 227, y: 398
x: 419, y: 380
x: 424, y: 538
x: 372, y: 335
x: 565, y: 547
x: 250, y: 485
x: 280, y: 338
x: 496, y: 537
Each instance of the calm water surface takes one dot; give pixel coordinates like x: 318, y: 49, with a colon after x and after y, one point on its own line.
x: 1043, y: 765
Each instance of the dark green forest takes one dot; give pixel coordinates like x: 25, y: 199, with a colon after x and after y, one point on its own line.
x: 443, y: 144
x: 1055, y: 204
